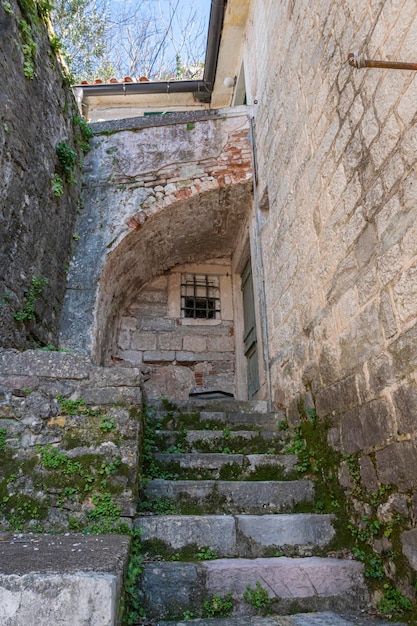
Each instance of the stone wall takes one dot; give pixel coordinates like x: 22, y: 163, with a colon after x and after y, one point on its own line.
x: 337, y: 154
x: 182, y: 355
x: 35, y: 225
x: 69, y: 442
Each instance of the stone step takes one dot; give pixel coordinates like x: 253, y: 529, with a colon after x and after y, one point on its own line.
x: 292, y: 584
x: 240, y: 535
x: 252, y: 497
x: 62, y: 579
x: 301, y: 619
x: 224, y: 405
x: 230, y: 466
x: 228, y: 413
x: 231, y: 442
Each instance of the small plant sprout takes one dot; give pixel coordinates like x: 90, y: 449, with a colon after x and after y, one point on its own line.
x: 257, y: 597
x: 107, y: 424
x: 57, y: 185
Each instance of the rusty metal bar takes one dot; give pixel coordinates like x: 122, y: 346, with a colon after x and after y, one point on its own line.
x: 359, y: 62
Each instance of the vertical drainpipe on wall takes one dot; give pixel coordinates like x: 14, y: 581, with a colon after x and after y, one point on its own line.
x: 260, y: 263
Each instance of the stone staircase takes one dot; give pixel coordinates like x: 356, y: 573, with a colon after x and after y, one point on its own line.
x: 228, y: 530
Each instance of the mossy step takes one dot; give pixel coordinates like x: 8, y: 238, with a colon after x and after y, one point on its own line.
x: 177, y: 419
x: 229, y: 441
x: 301, y: 619
x: 231, y: 536
x: 210, y: 496
x: 223, y: 405
x: 288, y: 585
x: 228, y: 466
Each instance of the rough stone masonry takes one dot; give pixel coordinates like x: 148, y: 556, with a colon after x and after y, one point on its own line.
x: 337, y: 154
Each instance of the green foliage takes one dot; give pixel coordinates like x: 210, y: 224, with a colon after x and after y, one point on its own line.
x: 7, y: 7
x: 187, y: 615
x: 190, y: 126
x: 393, y: 603
x: 107, y: 424
x: 75, y: 407
x: 83, y: 133
x: 53, y: 459
x: 29, y: 47
x: 258, y: 597
x: 206, y: 554
x: 57, y: 185
x: 132, y: 604
x: 56, y: 44
x: 3, y: 433
x: 45, y: 8
x: 32, y: 294
x: 218, y: 606
x: 67, y: 158
x: 105, y: 517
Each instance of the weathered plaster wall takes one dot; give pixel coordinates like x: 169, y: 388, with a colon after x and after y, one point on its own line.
x: 35, y: 226
x: 154, y: 197
x: 337, y: 152
x: 181, y: 355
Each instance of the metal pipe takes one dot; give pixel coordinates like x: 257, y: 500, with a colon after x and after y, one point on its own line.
x: 360, y: 62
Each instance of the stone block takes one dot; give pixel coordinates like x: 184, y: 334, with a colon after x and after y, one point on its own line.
x: 387, y: 316
x: 223, y: 343
x: 159, y: 356
x: 143, y: 341
x: 405, y: 295
x: 169, y: 588
x: 338, y: 397
x: 288, y: 578
x: 404, y: 352
x: 194, y: 344
x: 170, y: 381
x: 169, y: 341
x: 82, y: 574
x: 45, y: 364
x: 396, y: 465
x: 286, y: 530
x: 368, y: 474
x: 116, y: 376
x: 249, y: 497
x: 405, y: 401
x: 215, y: 531
x: 357, y: 344
x: 112, y: 395
x: 366, y: 426
x: 409, y: 546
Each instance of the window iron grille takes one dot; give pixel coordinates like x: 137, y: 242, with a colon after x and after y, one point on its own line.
x: 200, y: 297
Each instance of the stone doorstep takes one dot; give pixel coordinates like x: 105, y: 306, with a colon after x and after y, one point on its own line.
x: 305, y: 619
x: 239, y: 535
x: 252, y: 497
x: 216, y: 460
x: 62, y: 579
x: 308, y: 583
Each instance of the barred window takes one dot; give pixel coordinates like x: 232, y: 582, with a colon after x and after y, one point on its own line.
x: 200, y: 296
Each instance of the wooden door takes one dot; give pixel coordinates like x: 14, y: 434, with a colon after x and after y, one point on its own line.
x: 249, y: 333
